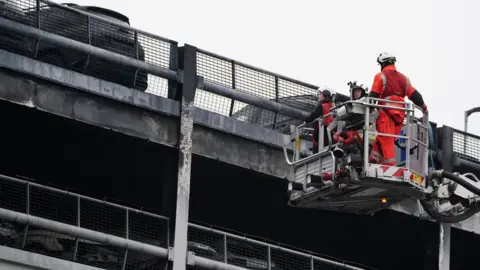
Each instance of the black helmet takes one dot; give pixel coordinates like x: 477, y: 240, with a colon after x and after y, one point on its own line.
x: 328, y: 93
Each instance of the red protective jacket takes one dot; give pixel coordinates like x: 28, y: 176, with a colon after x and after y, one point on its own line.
x: 326, y: 107
x: 392, y: 85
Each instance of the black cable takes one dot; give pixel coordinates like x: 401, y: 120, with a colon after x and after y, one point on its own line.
x: 464, y: 183
x: 469, y: 212
x: 431, y: 211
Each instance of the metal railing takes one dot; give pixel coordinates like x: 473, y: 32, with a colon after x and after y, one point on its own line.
x: 118, y: 56
x: 103, y: 234
x: 145, y: 61
x: 466, y: 145
x: 253, y: 254
x: 114, y: 35
x: 86, y: 213
x: 252, y: 80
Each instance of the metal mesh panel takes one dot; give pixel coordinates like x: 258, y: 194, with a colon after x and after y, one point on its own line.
x: 148, y: 229
x: 247, y: 255
x: 99, y: 255
x: 322, y: 265
x: 287, y: 89
x: 217, y: 71
x: 229, y: 73
x: 68, y: 21
x: 20, y: 12
x: 255, y: 82
x: 297, y: 96
x: 258, y: 84
x: 103, y: 218
x: 288, y: 261
x: 54, y: 19
x: 207, y: 244
x: 252, y: 254
x: 69, y: 208
x: 54, y: 206
x: 156, y: 52
x: 467, y: 145
x: 13, y: 196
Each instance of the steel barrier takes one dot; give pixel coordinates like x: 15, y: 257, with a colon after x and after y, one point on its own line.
x: 467, y: 145
x: 91, y: 214
x: 89, y: 26
x: 118, y: 39
x: 255, y: 81
x: 71, y: 226
x: 253, y: 254
x: 114, y: 37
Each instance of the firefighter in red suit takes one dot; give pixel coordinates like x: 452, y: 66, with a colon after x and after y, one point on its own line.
x: 392, y: 85
x: 349, y: 136
x: 325, y: 100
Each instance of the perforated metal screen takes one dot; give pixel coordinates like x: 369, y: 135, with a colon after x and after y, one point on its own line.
x: 79, y: 23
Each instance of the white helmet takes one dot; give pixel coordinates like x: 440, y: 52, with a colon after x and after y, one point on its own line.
x: 354, y: 86
x: 386, y: 57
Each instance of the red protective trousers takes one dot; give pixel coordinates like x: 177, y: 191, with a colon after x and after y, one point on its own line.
x: 389, y: 121
x: 391, y: 85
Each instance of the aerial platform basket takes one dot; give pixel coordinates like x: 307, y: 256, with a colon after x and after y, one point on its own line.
x: 347, y: 182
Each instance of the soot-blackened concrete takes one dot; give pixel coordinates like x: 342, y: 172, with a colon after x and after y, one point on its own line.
x: 76, y: 96
x: 106, y: 164
x: 249, y: 197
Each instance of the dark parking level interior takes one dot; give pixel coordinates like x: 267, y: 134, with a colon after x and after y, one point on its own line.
x: 104, y: 164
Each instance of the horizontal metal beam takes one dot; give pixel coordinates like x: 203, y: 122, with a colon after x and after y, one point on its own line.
x: 103, y: 238
x: 469, y: 165
x: 111, y: 240
x: 88, y: 49
x: 211, y: 264
x: 15, y: 259
x: 254, y: 100
x: 152, y: 69
x: 248, y: 240
x: 463, y: 163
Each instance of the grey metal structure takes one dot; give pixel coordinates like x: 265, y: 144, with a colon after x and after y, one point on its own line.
x: 186, y: 81
x: 467, y: 114
x: 206, y: 247
x: 342, y: 176
x: 187, y: 90
x: 361, y: 187
x: 465, y: 122
x: 156, y: 70
x: 15, y: 259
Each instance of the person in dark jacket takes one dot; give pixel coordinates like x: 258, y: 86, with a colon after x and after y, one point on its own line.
x: 325, y: 100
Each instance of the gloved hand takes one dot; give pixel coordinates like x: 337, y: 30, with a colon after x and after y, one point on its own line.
x: 424, y: 108
x: 337, y: 137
